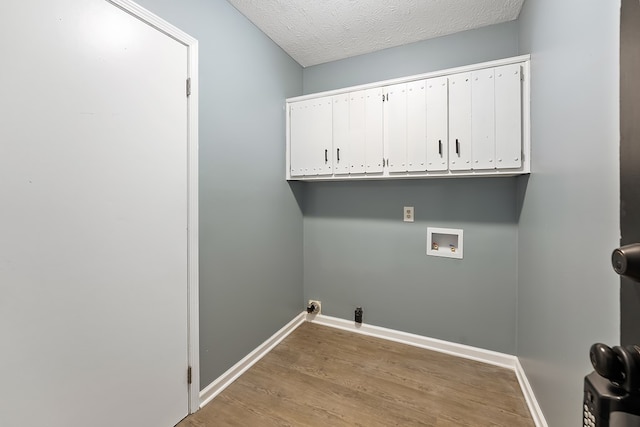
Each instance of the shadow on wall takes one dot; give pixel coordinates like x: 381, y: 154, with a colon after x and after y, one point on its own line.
x: 298, y: 191
x: 486, y: 200
x: 521, y: 190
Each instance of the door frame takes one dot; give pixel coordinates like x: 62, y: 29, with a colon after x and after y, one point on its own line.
x: 629, y: 159
x: 193, y: 337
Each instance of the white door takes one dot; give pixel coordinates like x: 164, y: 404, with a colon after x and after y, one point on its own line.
x: 93, y: 218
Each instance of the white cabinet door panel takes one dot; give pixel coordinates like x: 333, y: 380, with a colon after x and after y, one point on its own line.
x: 357, y: 134
x: 437, y: 124
x: 299, y: 118
x: 460, y: 121
x: 311, y: 137
x: 341, y: 134
x: 483, y: 150
x: 395, y: 129
x: 508, y: 100
x: 374, y: 138
x: 417, y: 126
x: 322, y: 155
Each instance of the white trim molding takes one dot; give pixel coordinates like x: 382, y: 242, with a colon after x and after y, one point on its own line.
x: 193, y: 345
x: 225, y: 380
x: 460, y: 350
x: 529, y: 397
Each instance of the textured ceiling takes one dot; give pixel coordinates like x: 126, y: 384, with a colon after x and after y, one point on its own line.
x: 317, y: 31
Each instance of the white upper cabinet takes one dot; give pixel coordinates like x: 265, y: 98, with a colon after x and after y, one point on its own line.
x: 312, y: 131
x: 468, y: 121
x: 483, y: 120
x: 508, y: 96
x: 365, y: 132
x: 395, y: 127
x: 357, y: 132
x: 437, y: 124
x: 341, y: 134
x: 374, y: 138
x: 460, y: 122
x: 417, y: 126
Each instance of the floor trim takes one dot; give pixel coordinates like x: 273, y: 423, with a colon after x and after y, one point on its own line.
x: 460, y: 350
x: 223, y: 381
x: 529, y: 397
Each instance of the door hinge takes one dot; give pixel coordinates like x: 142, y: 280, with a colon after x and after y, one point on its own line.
x: 189, y: 375
x: 189, y: 86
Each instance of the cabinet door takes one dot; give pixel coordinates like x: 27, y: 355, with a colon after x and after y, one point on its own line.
x: 483, y: 140
x: 508, y: 101
x: 395, y: 128
x: 437, y: 124
x: 357, y: 133
x: 341, y: 134
x: 311, y: 137
x: 460, y: 121
x: 374, y: 138
x: 417, y: 126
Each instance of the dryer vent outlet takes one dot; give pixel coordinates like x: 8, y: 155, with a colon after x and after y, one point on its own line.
x: 358, y: 315
x: 314, y: 307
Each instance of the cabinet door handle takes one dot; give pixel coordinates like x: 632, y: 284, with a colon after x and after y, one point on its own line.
x: 458, y: 148
x: 440, y: 147
x: 338, y: 153
x: 326, y: 155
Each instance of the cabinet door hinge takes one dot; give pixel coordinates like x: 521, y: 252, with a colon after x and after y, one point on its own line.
x: 189, y: 375
x: 189, y: 86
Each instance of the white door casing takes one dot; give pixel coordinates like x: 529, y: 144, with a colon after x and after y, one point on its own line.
x: 98, y: 225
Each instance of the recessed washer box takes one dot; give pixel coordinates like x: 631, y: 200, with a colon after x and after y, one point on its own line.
x: 444, y: 242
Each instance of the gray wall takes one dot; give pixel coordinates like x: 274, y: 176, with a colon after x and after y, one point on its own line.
x: 250, y: 221
x: 358, y: 251
x: 569, y: 224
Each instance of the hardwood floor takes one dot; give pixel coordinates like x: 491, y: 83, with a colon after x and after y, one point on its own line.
x: 320, y: 376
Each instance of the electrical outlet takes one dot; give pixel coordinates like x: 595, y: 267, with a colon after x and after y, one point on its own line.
x: 315, y: 307
x: 408, y: 214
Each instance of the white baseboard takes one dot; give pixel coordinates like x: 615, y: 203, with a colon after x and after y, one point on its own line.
x: 460, y: 350
x: 529, y: 397
x: 224, y: 380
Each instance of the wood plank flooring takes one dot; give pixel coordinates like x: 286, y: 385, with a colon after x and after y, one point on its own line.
x: 321, y: 376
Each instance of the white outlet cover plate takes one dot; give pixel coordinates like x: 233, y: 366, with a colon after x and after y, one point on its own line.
x: 408, y: 214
